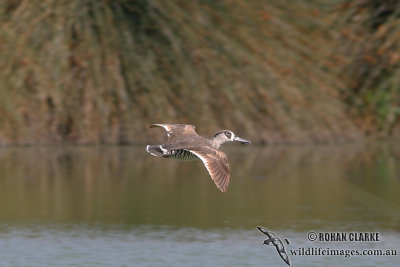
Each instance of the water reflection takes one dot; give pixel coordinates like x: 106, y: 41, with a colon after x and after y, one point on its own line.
x: 349, y: 186
x: 48, y: 193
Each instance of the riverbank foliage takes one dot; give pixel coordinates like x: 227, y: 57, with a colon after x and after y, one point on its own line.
x: 90, y: 72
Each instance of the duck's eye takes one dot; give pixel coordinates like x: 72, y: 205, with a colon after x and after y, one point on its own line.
x: 228, y: 134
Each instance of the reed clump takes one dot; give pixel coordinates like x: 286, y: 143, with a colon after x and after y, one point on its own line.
x: 370, y: 39
x: 84, y: 71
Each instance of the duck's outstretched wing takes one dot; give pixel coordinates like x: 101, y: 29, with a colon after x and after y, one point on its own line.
x: 216, y: 163
x: 176, y: 130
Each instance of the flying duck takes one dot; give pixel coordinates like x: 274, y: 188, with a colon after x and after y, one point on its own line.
x: 185, y: 144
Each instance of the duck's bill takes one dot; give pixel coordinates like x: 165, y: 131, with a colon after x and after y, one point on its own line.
x: 241, y: 140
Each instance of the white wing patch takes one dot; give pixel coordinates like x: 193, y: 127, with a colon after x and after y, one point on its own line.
x: 165, y: 126
x: 148, y: 150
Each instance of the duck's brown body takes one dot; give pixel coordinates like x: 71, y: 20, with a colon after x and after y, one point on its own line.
x: 185, y: 144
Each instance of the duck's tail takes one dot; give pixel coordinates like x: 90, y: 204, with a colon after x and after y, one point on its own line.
x: 156, y: 150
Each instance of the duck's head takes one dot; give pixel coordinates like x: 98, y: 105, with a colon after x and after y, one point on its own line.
x: 227, y: 136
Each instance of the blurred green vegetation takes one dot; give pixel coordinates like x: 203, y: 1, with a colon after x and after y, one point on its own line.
x: 371, y: 30
x: 274, y: 71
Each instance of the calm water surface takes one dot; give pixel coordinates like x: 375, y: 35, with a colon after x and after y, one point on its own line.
x: 119, y: 206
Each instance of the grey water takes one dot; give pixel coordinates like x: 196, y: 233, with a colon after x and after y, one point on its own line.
x: 119, y: 206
